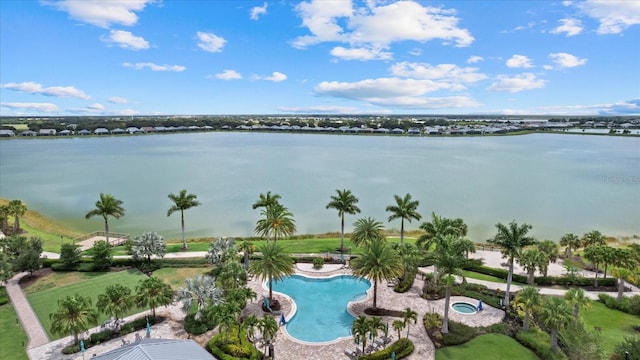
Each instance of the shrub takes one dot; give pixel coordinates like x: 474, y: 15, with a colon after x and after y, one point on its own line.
x: 629, y: 305
x: 89, y: 268
x: 4, y: 298
x: 630, y: 344
x: 232, y: 347
x: 318, y: 263
x: 402, y: 348
x: 432, y: 321
x: 458, y: 334
x: 69, y: 254
x: 538, y: 342
x: 195, y: 327
x: 99, y: 337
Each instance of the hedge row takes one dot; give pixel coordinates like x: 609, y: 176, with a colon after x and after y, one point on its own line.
x: 232, y: 347
x: 544, y: 281
x: 87, y: 265
x: 403, y: 348
x: 629, y: 305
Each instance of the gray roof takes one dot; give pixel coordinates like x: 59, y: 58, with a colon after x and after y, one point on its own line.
x: 158, y: 349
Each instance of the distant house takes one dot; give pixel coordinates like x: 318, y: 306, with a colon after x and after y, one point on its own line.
x: 117, y: 131
x: 47, y: 132
x: 382, y: 131
x: 28, y: 133
x: 7, y: 133
x: 64, y: 133
x: 413, y: 131
x: 148, y: 129
x: 397, y: 131
x: 101, y: 131
x: 158, y: 349
x: 84, y: 132
x: 133, y: 130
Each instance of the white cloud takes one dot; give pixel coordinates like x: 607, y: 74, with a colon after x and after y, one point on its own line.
x: 570, y: 27
x: 444, y: 72
x: 564, y: 60
x: 256, y: 11
x: 102, y: 13
x: 377, y: 26
x: 126, y: 40
x: 227, y: 75
x: 126, y: 112
x: 525, y: 81
x: 35, y: 88
x: 39, y: 107
x: 96, y: 106
x: 318, y: 109
x: 362, y: 54
x: 614, y: 15
x: 118, y: 100
x: 275, y: 77
x: 474, y: 59
x: 519, y: 61
x: 210, y: 42
x: 154, y: 67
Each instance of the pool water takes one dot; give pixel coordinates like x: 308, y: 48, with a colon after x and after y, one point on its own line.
x: 464, y: 308
x: 321, y: 305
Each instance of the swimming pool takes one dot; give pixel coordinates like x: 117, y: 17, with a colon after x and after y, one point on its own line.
x: 464, y: 308
x: 321, y: 303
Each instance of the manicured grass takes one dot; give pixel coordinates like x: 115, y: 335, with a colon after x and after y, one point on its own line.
x: 13, y: 342
x: 615, y: 325
x: 489, y: 347
x: 175, y: 276
x: 479, y: 276
x: 46, y: 302
x: 57, y: 279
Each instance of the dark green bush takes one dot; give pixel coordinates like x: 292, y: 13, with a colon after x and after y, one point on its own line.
x: 631, y: 345
x: 458, y: 334
x: 629, y: 305
x: 195, y: 327
x: 72, y: 349
x: 318, y: 262
x: 403, y: 348
x: 89, y: 268
x: 233, y: 348
x: 99, y: 337
x: 538, y: 341
x: 4, y: 298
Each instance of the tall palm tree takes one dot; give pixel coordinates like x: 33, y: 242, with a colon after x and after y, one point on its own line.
x: 153, y: 292
x: 247, y: 249
x: 595, y: 254
x: 277, y: 221
x: 608, y: 257
x: 203, y: 291
x: 266, y: 200
x: 73, y: 316
x: 366, y: 230
x: 250, y: 323
x: 181, y: 202
x: 556, y: 315
x: 593, y: 238
x: 512, y: 240
x: 571, y: 241
x: 4, y: 217
x: 17, y: 208
x: 274, y: 265
x: 115, y: 301
x: 105, y: 207
x: 578, y: 299
x: 528, y: 300
x: 530, y: 260
x: 550, y: 251
x: 404, y: 209
x: 625, y: 262
x: 410, y: 256
x: 436, y: 231
x: 359, y: 329
x: 232, y: 275
x: 450, y: 260
x: 378, y: 262
x: 269, y: 328
x: 408, y: 315
x: 345, y: 202
x: 375, y: 324
x: 398, y: 325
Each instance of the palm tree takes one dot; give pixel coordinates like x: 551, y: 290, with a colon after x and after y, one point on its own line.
x: 359, y: 329
x: 203, y: 291
x: 435, y: 232
x: 274, y: 265
x: 595, y: 254
x: 181, y: 202
x: 16, y: 208
x: 625, y: 263
x: 556, y: 315
x: 345, y: 202
x: 232, y: 275
x: 250, y: 324
x: 571, y: 241
x: 4, y: 217
x: 398, y: 325
x: 115, y: 301
x: 450, y: 260
x: 550, y: 251
x: 512, y: 239
x: 148, y: 244
x: 277, y: 221
x: 375, y: 324
x: 578, y: 299
x: 221, y: 251
x: 153, y: 292
x: 404, y: 209
x: 409, y: 315
x: 269, y: 328
x: 528, y: 300
x: 226, y: 316
x: 410, y: 256
x: 530, y: 260
x: 593, y: 238
x: 105, y: 207
x: 378, y: 262
x: 266, y: 200
x: 608, y: 257
x: 366, y: 230
x: 247, y: 249
x: 73, y: 316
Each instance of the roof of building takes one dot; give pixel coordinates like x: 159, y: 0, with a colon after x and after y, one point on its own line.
x: 158, y: 349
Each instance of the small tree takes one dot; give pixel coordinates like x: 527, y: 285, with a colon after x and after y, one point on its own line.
x: 73, y: 316
x: 203, y: 291
x: 102, y: 257
x: 152, y: 292
x: 148, y: 244
x: 115, y: 301
x: 528, y: 300
x: 530, y: 260
x: 69, y: 255
x: 16, y: 208
x: 28, y: 258
x: 408, y: 315
x: 556, y: 315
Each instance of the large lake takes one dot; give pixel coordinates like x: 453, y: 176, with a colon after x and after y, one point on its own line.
x: 558, y: 183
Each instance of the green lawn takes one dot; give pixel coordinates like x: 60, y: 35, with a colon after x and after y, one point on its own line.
x: 614, y: 324
x: 175, y: 276
x: 46, y: 302
x: 489, y: 347
x: 13, y: 342
x: 479, y: 276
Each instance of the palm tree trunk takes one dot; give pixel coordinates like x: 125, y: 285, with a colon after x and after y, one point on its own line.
x: 620, y: 288
x: 605, y: 268
x: 375, y: 293
x: 271, y: 291
x: 402, y: 232
x: 16, y: 225
x: 596, y: 284
x: 509, y: 279
x: 525, y: 326
x: 445, y: 318
x: 184, y: 240
x: 576, y: 309
x: 530, y: 276
x: 106, y: 230
x: 342, y: 234
x: 554, y: 339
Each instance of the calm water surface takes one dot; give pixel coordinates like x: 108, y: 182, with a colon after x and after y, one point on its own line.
x: 558, y: 183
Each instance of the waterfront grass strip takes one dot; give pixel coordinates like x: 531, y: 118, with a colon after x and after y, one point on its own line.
x: 487, y: 347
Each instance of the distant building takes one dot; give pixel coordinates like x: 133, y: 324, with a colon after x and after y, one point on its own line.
x: 84, y: 132
x: 28, y: 133
x: 64, y: 133
x: 158, y: 349
x: 101, y: 131
x: 7, y: 133
x: 47, y: 132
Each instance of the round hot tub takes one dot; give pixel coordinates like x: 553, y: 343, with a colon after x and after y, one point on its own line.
x: 464, y: 308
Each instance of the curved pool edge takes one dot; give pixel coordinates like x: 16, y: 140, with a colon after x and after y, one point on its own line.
x: 294, y: 310
x: 464, y: 302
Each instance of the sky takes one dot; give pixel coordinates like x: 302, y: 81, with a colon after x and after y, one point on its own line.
x: 170, y: 57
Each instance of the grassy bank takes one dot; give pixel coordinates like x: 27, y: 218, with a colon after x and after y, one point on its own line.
x: 13, y: 341
x: 614, y: 325
x: 486, y: 347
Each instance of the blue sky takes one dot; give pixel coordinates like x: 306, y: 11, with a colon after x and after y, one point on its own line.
x: 146, y: 57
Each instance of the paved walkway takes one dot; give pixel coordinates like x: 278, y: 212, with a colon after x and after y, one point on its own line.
x: 40, y: 348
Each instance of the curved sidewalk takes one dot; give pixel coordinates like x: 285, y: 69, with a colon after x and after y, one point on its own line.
x: 30, y: 323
